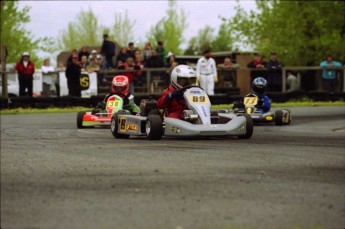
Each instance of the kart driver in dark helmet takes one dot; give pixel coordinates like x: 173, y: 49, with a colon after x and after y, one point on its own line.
x: 120, y: 84
x: 259, y: 86
x: 172, y: 98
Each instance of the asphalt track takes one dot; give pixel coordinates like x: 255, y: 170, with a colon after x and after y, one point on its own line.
x: 54, y: 175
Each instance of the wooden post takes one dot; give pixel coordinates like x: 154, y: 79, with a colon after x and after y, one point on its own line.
x: 283, y: 79
x: 3, y: 71
x: 243, y: 76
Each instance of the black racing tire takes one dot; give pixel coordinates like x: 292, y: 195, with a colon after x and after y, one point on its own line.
x: 114, y: 127
x: 154, y: 127
x: 80, y: 117
x: 278, y: 118
x: 249, y: 127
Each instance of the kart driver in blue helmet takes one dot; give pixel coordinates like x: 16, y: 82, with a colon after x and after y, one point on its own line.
x: 259, y: 86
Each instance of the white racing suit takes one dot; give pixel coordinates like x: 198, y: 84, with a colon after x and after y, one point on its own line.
x: 206, y: 72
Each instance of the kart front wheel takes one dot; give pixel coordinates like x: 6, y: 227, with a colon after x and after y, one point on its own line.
x: 80, y: 117
x: 114, y: 127
x: 249, y: 127
x: 154, y: 127
x: 278, y: 117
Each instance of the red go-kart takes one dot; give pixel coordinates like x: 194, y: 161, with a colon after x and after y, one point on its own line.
x: 99, y: 116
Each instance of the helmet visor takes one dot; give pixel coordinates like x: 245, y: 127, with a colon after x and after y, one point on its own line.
x: 184, y: 81
x: 119, y: 88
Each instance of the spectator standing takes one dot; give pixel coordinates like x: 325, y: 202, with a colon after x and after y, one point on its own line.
x: 156, y: 62
x: 274, y: 73
x: 206, y: 72
x: 257, y: 63
x: 70, y: 58
x: 329, y: 76
x: 291, y: 82
x: 47, y: 78
x: 108, y: 51
x: 25, y: 69
x: 60, y: 68
x: 83, y: 63
x: 83, y: 52
x: 140, y: 77
x: 123, y: 55
x: 92, y: 55
x: 73, y: 77
x: 129, y: 65
x: 92, y: 66
x: 161, y: 51
x: 171, y: 64
x: 146, y: 52
x: 101, y: 66
x: 131, y: 50
x: 227, y: 73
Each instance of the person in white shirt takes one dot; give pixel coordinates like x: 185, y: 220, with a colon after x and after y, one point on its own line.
x: 206, y: 72
x: 47, y: 78
x: 291, y: 82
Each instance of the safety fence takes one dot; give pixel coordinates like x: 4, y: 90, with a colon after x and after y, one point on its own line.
x: 154, y: 80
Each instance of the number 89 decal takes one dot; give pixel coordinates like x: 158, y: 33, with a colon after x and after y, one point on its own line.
x: 198, y: 98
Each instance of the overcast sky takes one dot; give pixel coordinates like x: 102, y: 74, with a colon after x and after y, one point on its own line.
x: 50, y: 18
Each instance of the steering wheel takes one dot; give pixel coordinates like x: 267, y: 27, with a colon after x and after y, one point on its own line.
x: 123, y: 97
x: 182, y: 90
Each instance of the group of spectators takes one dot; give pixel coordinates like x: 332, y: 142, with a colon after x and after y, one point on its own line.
x: 129, y: 58
x: 272, y: 72
x: 135, y: 60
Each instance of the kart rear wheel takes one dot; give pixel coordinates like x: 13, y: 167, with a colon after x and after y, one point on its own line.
x: 80, y: 117
x: 154, y: 127
x: 278, y: 117
x: 249, y: 127
x: 114, y: 127
x: 287, y: 117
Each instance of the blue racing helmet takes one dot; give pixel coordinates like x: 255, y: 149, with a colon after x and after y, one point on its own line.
x: 259, y: 85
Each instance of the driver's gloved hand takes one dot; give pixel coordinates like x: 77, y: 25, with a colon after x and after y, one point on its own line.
x: 177, y: 95
x: 260, y: 102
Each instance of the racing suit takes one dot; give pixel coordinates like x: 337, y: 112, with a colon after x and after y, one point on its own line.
x: 172, y: 105
x: 264, y: 103
x: 130, y: 106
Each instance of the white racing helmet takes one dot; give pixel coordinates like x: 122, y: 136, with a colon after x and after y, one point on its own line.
x: 182, y: 76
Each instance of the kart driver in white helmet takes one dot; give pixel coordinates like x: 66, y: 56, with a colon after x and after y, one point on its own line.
x: 172, y: 98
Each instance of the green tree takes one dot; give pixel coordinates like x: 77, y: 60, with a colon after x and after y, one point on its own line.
x: 16, y: 37
x: 123, y: 29
x: 170, y: 29
x: 302, y: 32
x: 224, y: 39
x: 198, y: 44
x: 84, y: 31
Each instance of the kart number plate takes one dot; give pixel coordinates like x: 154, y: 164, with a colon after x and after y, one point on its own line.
x: 250, y: 101
x: 200, y: 99
x: 114, y: 104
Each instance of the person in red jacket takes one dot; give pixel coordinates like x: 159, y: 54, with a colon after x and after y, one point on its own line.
x: 25, y: 69
x: 172, y: 98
